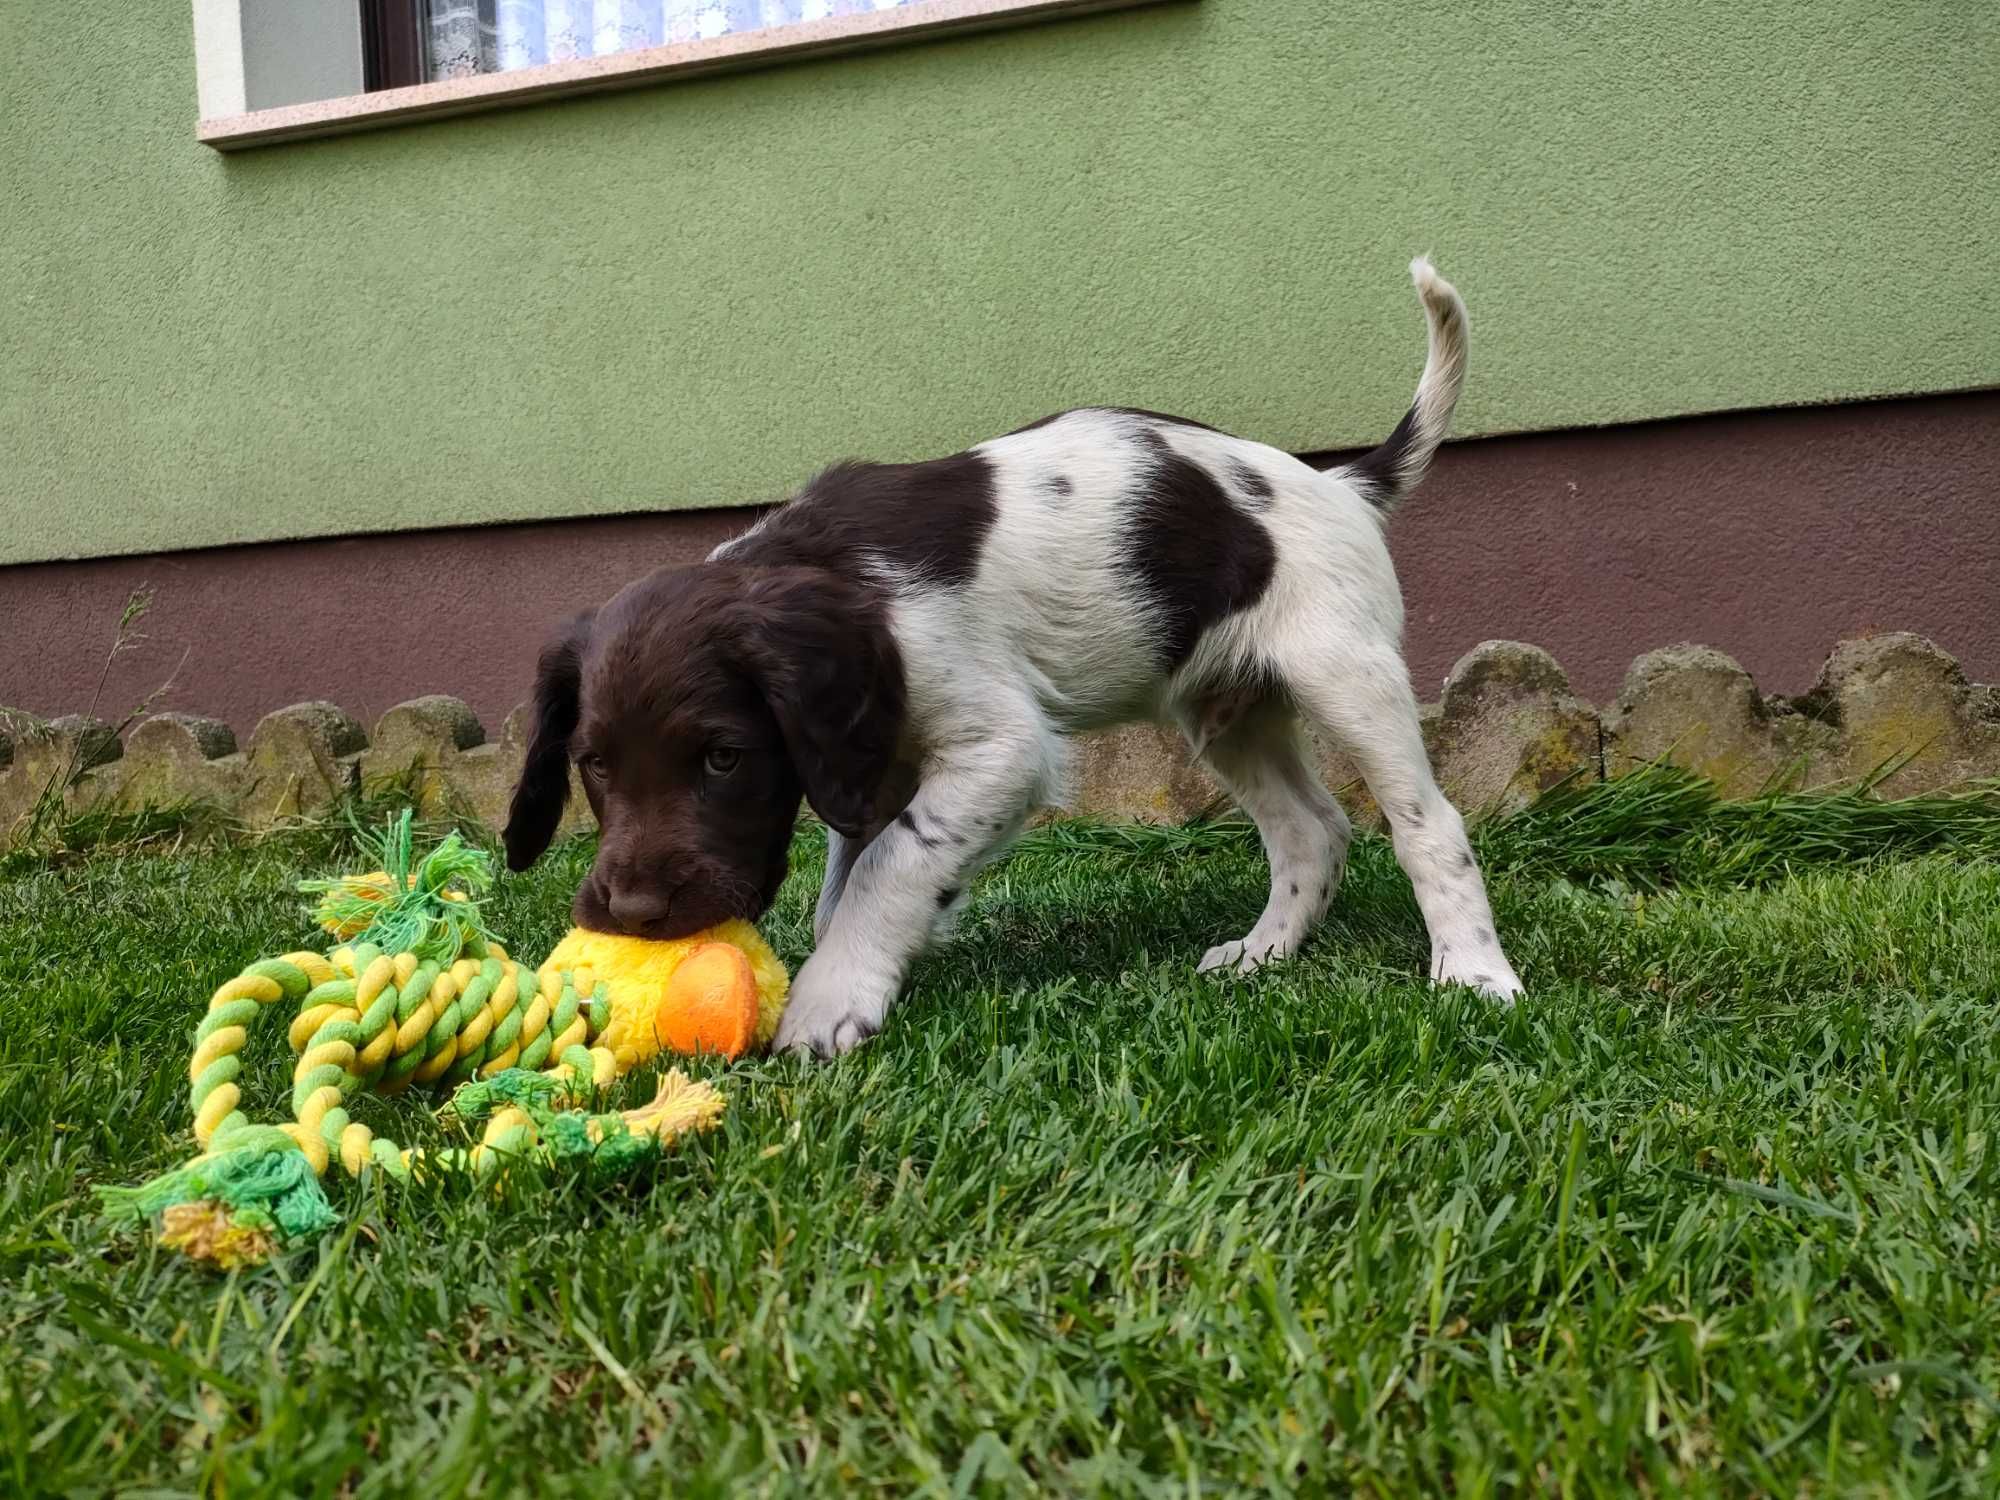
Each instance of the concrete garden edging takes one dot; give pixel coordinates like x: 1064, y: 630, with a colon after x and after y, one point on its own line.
x: 1504, y: 729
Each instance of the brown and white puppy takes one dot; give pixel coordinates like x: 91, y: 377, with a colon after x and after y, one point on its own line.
x: 911, y: 646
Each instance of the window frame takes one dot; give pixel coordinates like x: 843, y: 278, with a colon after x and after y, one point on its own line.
x: 389, y: 27
x: 392, y: 44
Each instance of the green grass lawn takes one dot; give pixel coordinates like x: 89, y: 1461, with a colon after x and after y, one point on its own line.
x: 1715, y: 1209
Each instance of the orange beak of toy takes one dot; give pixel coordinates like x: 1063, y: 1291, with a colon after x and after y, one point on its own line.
x: 710, y: 1004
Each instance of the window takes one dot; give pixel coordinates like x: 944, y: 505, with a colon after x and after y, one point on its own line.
x: 392, y: 44
x: 273, y: 70
x: 465, y: 37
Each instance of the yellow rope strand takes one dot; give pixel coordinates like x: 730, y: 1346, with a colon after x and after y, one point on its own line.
x: 375, y: 1021
x: 365, y: 1020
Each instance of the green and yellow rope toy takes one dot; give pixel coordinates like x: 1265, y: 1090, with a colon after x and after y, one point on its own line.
x: 420, y: 993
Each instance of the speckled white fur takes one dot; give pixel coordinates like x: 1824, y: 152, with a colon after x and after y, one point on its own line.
x: 1052, y: 638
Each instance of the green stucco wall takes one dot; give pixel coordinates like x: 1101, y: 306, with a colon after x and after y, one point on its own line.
x: 694, y: 294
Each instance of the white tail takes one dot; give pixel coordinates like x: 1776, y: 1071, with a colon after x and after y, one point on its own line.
x: 1386, y: 474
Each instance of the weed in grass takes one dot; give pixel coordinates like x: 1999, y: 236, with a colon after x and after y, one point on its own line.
x: 48, y: 815
x: 1661, y: 825
x: 1713, y: 1210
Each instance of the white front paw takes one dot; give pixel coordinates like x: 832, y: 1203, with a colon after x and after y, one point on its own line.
x: 825, y: 1020
x: 1221, y: 956
x: 1245, y: 957
x: 1489, y: 973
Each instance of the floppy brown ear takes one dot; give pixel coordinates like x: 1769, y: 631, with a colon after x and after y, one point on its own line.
x: 543, y: 790
x: 820, y: 650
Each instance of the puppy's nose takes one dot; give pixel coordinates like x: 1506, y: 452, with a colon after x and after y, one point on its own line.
x: 637, y: 910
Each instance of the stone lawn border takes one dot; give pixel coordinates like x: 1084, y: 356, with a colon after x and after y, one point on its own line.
x: 1505, y: 729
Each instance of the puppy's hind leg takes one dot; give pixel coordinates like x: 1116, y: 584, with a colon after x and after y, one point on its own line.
x: 1263, y: 761
x: 1363, y: 699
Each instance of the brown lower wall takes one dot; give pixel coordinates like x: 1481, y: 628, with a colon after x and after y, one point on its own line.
x: 1765, y: 534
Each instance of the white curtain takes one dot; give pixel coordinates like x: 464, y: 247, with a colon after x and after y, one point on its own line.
x: 464, y: 37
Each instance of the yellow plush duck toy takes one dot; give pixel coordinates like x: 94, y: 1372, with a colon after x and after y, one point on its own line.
x: 722, y: 990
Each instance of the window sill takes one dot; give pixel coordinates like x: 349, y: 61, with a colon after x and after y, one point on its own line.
x: 429, y: 101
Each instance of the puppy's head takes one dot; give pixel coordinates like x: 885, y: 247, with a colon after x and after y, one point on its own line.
x: 697, y: 706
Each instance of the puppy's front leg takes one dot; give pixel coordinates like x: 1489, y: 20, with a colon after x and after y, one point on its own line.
x: 841, y: 852
x: 967, y: 810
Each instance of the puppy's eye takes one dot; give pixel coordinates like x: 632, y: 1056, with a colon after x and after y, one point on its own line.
x: 721, y: 760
